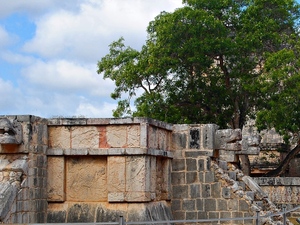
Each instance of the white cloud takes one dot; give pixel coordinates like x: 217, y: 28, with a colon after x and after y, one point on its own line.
x: 5, y: 38
x: 64, y: 77
x: 86, y: 34
x: 71, y: 36
x: 35, y: 8
x: 88, y: 109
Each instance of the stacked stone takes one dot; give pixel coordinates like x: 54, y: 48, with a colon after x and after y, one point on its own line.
x: 282, y: 191
x: 119, y: 167
x: 27, y: 170
x: 197, y: 191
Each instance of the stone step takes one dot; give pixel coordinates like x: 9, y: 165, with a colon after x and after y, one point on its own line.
x: 232, y: 175
x: 250, y: 194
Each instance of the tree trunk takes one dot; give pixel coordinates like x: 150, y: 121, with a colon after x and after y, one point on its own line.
x: 245, y: 164
x: 284, y: 164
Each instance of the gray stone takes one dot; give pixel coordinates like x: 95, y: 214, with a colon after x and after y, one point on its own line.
x: 188, y: 205
x: 225, y: 215
x: 179, y: 215
x: 243, y: 205
x: 179, y: 140
x: 178, y: 178
x: 201, y: 165
x: 194, y: 138
x: 250, y: 194
x: 191, y: 177
x: 209, y: 177
x: 209, y: 131
x: 176, y: 205
x: 206, y: 190
x: 223, y: 165
x: 180, y: 191
x: 210, y: 205
x: 178, y: 164
x: 55, y: 217
x: 216, y: 190
x: 202, y: 215
x: 81, y: 213
x: 222, y: 205
x: 226, y: 193
x: 254, y: 187
x: 228, y: 139
x: 232, y: 175
x: 199, y: 204
x: 232, y: 204
x: 191, y: 165
x: 191, y: 215
x: 213, y: 215
x: 195, y: 190
x: 201, y: 177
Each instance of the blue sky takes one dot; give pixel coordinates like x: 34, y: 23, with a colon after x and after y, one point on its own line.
x: 49, y: 51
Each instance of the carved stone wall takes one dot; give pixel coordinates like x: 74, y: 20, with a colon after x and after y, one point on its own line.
x: 94, y: 170
x: 104, y: 168
x: 282, y: 191
x: 23, y: 166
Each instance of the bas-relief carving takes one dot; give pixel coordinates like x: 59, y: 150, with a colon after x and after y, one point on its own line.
x: 233, y: 140
x: 10, y: 132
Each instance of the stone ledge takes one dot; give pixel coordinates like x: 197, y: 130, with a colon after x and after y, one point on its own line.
x: 110, y: 152
x: 107, y: 121
x: 278, y: 181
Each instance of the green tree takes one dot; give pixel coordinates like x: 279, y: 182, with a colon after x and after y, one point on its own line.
x: 281, y: 85
x: 203, y: 62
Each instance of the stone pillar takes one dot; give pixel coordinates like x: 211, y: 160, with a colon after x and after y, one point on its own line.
x: 26, y: 164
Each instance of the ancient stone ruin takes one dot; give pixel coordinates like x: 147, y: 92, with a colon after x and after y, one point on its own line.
x: 67, y: 170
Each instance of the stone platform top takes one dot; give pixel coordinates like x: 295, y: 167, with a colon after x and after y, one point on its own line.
x: 107, y: 121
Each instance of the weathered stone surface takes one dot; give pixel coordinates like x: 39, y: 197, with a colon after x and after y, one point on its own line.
x: 8, y: 194
x: 133, y: 139
x: 116, y: 136
x: 84, y: 137
x: 208, y: 137
x: 88, y: 176
x: 81, y: 212
x: 228, y: 139
x: 59, y: 137
x: 56, y: 179
x: 116, y: 178
x: 194, y: 138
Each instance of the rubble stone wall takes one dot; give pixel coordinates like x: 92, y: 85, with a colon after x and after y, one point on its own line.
x: 282, y: 191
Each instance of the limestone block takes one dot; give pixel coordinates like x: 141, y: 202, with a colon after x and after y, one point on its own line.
x: 102, y: 137
x: 55, y: 179
x: 137, y: 173
x: 208, y: 136
x: 195, y: 138
x: 116, y: 136
x: 138, y: 196
x: 86, y: 175
x: 84, y: 137
x: 59, y: 137
x: 116, y: 197
x: 116, y: 174
x: 228, y: 156
x: 133, y: 136
x: 153, y: 137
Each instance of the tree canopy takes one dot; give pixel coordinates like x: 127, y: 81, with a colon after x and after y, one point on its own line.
x: 211, y: 61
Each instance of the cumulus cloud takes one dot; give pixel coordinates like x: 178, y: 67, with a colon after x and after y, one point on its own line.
x: 54, y: 73
x: 89, y: 109
x: 86, y: 34
x: 35, y: 8
x: 5, y: 38
x: 67, y: 77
